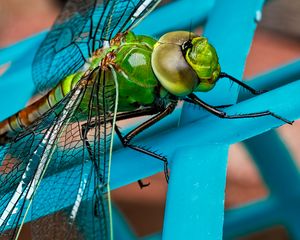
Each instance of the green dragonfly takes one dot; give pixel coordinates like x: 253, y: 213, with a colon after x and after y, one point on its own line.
x: 95, y: 72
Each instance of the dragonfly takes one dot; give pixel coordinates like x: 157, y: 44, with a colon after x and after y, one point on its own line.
x: 95, y: 72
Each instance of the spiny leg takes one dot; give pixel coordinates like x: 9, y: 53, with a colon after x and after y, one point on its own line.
x: 242, y: 84
x: 144, y: 151
x: 142, y: 184
x: 120, y: 116
x: 128, y: 137
x: 150, y: 122
x: 86, y: 127
x: 222, y: 114
x: 218, y: 106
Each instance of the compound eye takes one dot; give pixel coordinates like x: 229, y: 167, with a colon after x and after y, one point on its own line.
x: 170, y: 67
x: 186, y: 45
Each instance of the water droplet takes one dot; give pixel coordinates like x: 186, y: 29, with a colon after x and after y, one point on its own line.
x: 258, y: 16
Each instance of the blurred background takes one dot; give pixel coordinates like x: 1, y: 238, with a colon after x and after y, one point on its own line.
x: 276, y: 42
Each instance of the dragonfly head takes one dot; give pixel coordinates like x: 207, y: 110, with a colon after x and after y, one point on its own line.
x: 184, y: 62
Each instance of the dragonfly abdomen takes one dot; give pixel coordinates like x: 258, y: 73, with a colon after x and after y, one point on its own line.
x: 24, y: 118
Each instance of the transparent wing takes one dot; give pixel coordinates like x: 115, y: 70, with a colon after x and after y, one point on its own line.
x: 66, y: 47
x: 79, y: 30
x: 75, y: 131
x: 122, y: 15
x: 24, y: 162
x: 80, y: 192
x: 94, y: 216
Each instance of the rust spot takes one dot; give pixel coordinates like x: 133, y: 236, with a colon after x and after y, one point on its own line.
x: 118, y: 39
x: 98, y: 52
x: 109, y: 60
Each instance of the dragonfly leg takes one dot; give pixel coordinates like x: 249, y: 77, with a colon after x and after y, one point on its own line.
x: 84, y: 132
x: 85, y: 128
x: 222, y: 114
x: 145, y: 151
x: 218, y: 106
x: 242, y: 84
x: 223, y: 106
x: 150, y: 122
x: 142, y: 184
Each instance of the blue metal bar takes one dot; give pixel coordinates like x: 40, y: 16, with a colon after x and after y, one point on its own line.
x: 273, y: 79
x: 262, y: 214
x: 276, y: 166
x: 193, y: 209
x: 252, y: 217
x: 281, y: 175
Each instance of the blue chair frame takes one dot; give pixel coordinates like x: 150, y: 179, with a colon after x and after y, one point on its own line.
x: 277, y: 168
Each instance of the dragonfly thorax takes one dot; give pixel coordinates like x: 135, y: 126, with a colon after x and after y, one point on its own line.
x: 129, y: 60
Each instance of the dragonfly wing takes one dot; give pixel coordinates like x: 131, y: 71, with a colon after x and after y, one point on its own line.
x: 86, y: 189
x: 120, y: 16
x: 24, y: 162
x: 79, y: 30
x: 65, y: 48
x: 102, y: 135
x: 94, y: 216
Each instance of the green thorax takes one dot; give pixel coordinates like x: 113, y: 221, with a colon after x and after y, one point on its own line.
x: 137, y: 84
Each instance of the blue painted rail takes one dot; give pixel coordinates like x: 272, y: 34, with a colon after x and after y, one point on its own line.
x: 198, y: 166
x: 277, y: 168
